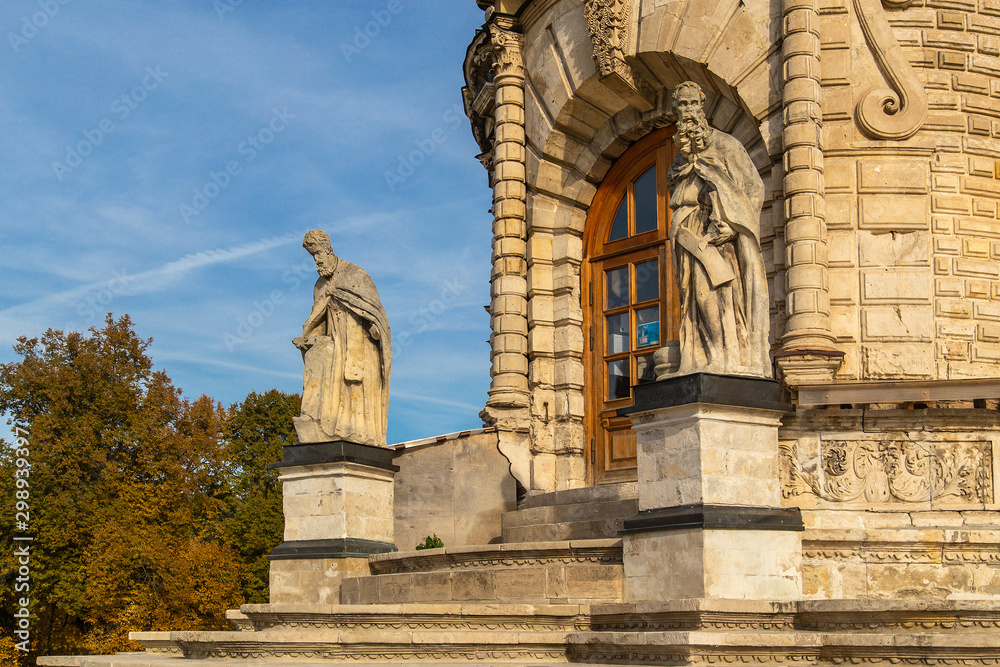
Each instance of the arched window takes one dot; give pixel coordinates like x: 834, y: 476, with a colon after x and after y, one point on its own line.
x: 630, y: 302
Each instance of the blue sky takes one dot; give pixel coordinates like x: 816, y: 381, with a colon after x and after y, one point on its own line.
x: 163, y: 159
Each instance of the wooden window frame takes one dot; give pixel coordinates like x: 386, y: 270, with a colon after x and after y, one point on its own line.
x: 657, y: 149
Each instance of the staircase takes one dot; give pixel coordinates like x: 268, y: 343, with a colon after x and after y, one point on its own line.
x: 543, y: 573
x: 559, y: 602
x: 682, y: 632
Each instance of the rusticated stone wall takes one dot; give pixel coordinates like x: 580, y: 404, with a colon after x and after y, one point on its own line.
x: 913, y: 232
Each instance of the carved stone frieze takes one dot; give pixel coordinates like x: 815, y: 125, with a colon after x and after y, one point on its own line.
x: 499, y: 560
x: 690, y: 655
x: 896, y: 112
x: 891, y: 471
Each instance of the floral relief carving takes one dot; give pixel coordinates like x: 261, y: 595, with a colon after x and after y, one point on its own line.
x: 607, y: 21
x: 892, y: 471
x: 899, y: 111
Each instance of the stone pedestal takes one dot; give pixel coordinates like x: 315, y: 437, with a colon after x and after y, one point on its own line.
x: 710, y: 523
x: 338, y: 506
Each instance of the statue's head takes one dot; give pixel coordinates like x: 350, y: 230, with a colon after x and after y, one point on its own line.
x: 318, y: 244
x: 688, y: 103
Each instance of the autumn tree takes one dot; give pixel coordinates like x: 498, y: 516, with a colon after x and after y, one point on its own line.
x: 129, y: 498
x: 255, y: 432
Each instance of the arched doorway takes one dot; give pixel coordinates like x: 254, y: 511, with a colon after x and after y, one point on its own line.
x: 629, y: 298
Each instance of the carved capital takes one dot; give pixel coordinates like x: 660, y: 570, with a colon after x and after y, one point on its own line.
x: 507, y: 48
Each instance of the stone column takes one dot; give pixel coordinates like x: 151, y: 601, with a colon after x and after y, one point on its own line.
x: 508, y: 404
x: 509, y: 287
x: 807, y: 354
x: 710, y: 523
x: 338, y: 506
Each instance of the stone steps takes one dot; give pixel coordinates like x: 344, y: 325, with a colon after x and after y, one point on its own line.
x: 591, y: 512
x: 820, y: 632
x: 475, y: 617
x: 683, y: 632
x: 566, y: 572
x: 374, y: 645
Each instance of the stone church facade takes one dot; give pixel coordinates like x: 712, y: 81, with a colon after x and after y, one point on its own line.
x: 875, y: 130
x: 843, y: 513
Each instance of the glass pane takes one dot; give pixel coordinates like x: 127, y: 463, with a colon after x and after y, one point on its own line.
x: 619, y: 228
x: 647, y: 326
x: 647, y: 281
x: 617, y: 287
x: 618, y: 334
x: 645, y: 202
x: 644, y: 369
x: 618, y: 379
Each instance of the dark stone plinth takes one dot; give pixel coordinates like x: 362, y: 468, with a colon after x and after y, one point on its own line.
x: 348, y: 547
x: 334, y: 452
x: 719, y: 517
x: 735, y: 390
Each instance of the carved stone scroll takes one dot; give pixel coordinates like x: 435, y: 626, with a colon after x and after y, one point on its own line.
x: 608, y: 21
x: 894, y: 113
x: 479, y: 96
x: 891, y: 472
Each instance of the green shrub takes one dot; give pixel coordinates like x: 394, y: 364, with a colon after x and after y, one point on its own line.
x: 431, y: 543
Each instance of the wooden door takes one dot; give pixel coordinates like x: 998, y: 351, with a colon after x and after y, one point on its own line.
x: 630, y: 302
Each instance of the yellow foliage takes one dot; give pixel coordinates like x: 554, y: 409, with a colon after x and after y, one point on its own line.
x: 9, y: 656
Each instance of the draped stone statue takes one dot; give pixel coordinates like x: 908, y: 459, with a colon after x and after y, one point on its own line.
x: 347, y: 353
x: 716, y: 195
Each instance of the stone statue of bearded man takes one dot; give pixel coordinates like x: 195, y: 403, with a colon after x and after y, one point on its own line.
x: 347, y: 353
x: 716, y: 196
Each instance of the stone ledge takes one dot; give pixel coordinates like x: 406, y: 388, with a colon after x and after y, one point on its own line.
x: 587, y: 494
x: 897, y: 392
x: 708, y: 388
x: 578, y: 552
x: 344, y: 547
x: 59, y: 661
x: 337, y: 451
x: 415, y: 616
x: 715, y: 517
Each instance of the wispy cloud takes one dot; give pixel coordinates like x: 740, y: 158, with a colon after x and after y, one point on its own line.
x: 417, y: 398
x: 154, y: 280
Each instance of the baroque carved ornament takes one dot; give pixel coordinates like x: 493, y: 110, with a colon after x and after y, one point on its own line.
x: 892, y: 472
x: 607, y: 21
x: 506, y: 51
x: 896, y: 112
